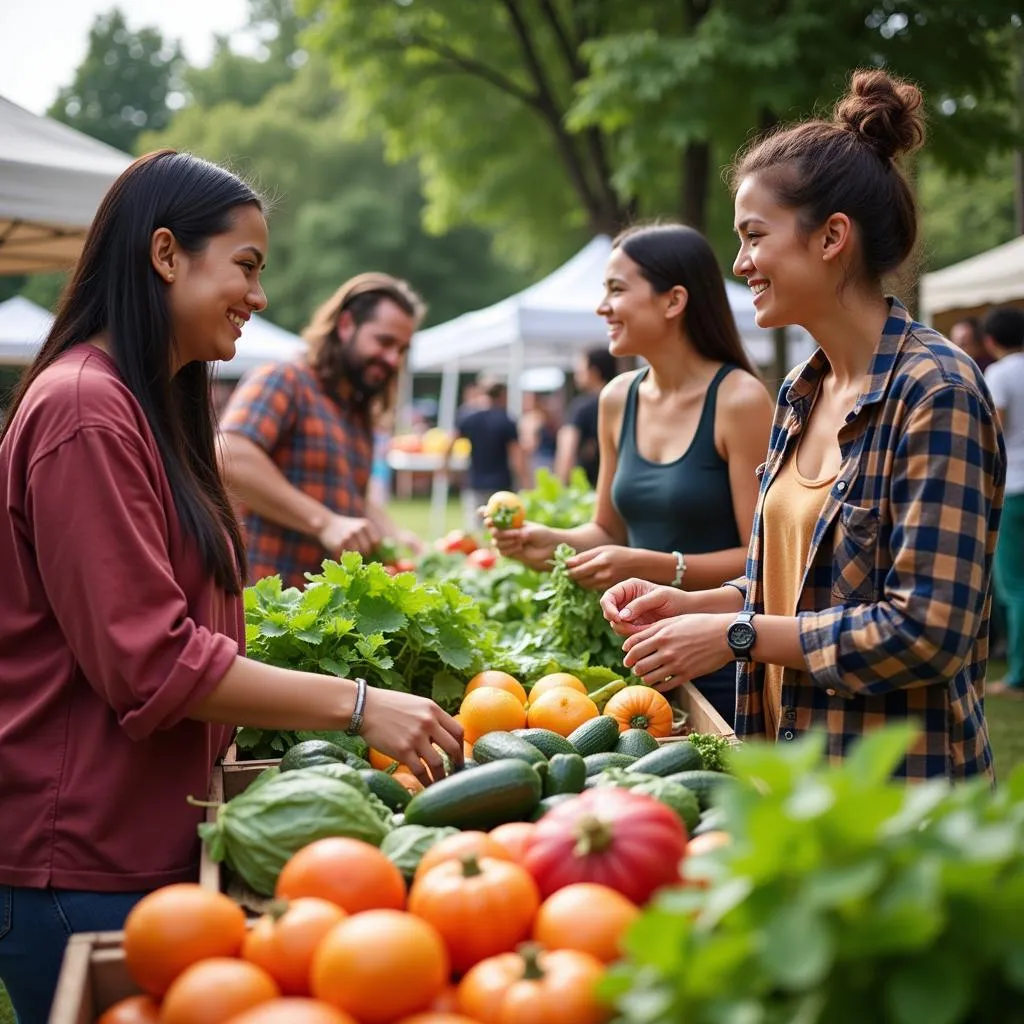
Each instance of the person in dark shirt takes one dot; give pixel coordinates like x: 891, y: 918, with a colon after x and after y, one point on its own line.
x: 577, y: 439
x: 496, y: 460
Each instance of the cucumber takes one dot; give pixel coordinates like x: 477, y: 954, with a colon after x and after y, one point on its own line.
x: 596, y: 763
x: 499, y: 746
x: 393, y: 793
x: 548, y: 802
x: 481, y: 799
x: 566, y: 774
x: 546, y: 741
x: 701, y: 783
x: 636, y: 743
x: 313, y: 752
x: 470, y: 763
x: 595, y: 735
x: 355, y: 761
x: 668, y: 759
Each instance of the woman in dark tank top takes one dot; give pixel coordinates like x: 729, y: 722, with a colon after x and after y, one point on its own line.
x: 679, y: 440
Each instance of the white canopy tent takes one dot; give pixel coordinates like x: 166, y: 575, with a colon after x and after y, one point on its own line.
x: 990, y: 278
x: 24, y: 326
x: 52, y: 179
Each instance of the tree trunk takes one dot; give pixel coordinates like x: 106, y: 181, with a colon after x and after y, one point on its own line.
x: 696, y: 177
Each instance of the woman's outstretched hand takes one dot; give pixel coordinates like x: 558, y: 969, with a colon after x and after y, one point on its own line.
x: 406, y: 727
x: 634, y: 604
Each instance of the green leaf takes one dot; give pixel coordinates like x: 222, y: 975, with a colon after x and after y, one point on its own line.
x: 875, y: 756
x: 446, y: 690
x: 268, y: 627
x: 935, y: 991
x: 378, y: 615
x: 832, y: 886
x: 798, y: 946
x: 334, y: 668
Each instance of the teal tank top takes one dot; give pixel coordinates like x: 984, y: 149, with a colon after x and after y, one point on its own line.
x: 684, y: 505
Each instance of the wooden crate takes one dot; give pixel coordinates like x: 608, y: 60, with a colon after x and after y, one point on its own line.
x: 93, y: 977
x: 701, y: 716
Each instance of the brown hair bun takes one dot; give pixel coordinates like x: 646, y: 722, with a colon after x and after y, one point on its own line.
x: 884, y: 112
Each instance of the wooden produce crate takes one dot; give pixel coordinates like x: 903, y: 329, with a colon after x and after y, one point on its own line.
x: 93, y: 976
x: 701, y: 716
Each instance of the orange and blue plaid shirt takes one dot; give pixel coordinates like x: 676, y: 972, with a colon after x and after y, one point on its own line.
x: 896, y: 592
x: 321, y: 445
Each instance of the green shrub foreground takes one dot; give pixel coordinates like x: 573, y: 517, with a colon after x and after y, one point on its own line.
x: 844, y: 898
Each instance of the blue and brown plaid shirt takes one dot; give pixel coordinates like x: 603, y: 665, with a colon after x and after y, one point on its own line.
x: 896, y: 594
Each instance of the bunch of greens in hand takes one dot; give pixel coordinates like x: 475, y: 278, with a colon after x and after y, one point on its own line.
x: 354, y: 619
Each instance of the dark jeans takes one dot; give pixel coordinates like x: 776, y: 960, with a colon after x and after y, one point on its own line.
x: 719, y: 688
x: 34, y: 929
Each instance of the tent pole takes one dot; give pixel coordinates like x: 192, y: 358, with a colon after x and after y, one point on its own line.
x: 446, y: 409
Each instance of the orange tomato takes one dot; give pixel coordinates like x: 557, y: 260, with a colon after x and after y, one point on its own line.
x: 488, y: 709
x: 283, y: 943
x: 462, y: 844
x: 380, y: 965
x: 641, y: 707
x: 133, y: 1010
x: 506, y: 509
x: 553, y: 680
x: 382, y: 762
x: 176, y: 926
x: 435, y: 1017
x: 214, y: 990
x: 499, y: 680
x: 589, y: 917
x: 295, y: 1010
x: 446, y: 1002
x: 352, y: 874
x: 561, y: 710
x: 513, y: 836
x: 407, y: 780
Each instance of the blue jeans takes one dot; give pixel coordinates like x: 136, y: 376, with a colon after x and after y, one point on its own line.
x: 34, y: 929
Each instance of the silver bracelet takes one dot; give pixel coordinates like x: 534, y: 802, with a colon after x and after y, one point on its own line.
x: 356, y: 724
x: 677, y: 580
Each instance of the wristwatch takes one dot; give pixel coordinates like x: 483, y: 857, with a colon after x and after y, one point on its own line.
x: 742, y: 636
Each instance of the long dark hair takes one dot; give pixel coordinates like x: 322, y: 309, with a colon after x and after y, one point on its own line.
x: 669, y: 255
x: 115, y: 289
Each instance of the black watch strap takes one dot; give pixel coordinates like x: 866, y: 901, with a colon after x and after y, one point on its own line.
x: 742, y: 636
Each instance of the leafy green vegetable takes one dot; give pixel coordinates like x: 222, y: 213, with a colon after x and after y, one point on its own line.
x: 844, y: 897
x: 356, y: 619
x: 259, y: 830
x: 713, y: 750
x: 562, y: 507
x: 261, y: 744
x: 406, y: 845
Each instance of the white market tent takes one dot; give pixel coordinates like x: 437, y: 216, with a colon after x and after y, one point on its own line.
x: 990, y: 278
x: 52, y: 179
x: 24, y: 326
x: 546, y: 325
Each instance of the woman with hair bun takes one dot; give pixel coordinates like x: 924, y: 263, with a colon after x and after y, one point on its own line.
x: 867, y: 590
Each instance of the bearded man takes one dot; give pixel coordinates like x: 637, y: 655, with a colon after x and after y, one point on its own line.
x: 296, y: 441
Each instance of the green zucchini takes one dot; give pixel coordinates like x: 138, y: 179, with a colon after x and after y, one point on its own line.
x: 596, y: 763
x: 546, y: 741
x: 595, y: 735
x: 701, y: 782
x: 549, y: 802
x: 393, y: 793
x: 499, y: 746
x: 668, y: 759
x: 481, y: 799
x: 313, y: 752
x: 636, y: 743
x: 567, y: 773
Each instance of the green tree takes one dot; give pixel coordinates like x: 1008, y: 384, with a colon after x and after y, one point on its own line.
x: 336, y: 207
x: 123, y: 86
x: 545, y: 119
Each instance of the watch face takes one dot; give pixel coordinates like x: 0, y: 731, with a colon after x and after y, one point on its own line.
x: 742, y: 635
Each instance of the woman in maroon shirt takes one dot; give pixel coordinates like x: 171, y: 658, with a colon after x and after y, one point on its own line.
x: 122, y: 665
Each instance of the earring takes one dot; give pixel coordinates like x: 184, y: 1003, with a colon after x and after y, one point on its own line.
x: 170, y: 278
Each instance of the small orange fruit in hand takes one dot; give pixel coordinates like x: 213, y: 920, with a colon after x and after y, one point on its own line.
x: 380, y: 966
x: 561, y: 710
x: 587, y: 917
x: 554, y: 680
x: 499, y: 680
x: 488, y: 709
x: 505, y: 510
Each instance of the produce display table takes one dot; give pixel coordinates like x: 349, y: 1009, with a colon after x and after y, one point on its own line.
x: 93, y: 977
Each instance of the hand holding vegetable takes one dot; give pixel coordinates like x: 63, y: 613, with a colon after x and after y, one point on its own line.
x: 603, y: 566
x: 406, y: 727
x: 635, y: 604
x: 679, y: 649
x: 532, y: 544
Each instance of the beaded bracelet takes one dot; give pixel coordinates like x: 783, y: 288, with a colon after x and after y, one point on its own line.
x: 356, y: 723
x: 677, y: 580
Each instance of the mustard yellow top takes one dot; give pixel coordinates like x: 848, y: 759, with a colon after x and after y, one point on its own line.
x: 791, y: 510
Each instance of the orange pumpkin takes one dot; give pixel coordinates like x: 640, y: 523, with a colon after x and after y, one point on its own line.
x: 480, y: 907
x: 534, y: 987
x: 641, y: 707
x: 460, y: 845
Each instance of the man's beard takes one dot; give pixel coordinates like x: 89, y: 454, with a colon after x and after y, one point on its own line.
x: 365, y: 386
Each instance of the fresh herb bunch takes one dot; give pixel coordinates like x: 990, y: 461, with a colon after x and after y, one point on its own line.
x: 353, y: 619
x: 713, y: 750
x: 553, y: 504
x: 843, y: 897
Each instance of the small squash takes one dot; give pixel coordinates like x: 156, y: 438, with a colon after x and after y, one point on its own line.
x: 641, y: 707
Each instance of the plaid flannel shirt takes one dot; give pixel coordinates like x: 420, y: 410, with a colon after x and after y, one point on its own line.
x: 321, y: 445
x: 896, y: 590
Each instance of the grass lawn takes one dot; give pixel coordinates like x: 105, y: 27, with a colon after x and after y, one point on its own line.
x: 414, y: 515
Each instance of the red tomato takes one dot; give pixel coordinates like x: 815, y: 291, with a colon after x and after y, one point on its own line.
x: 483, y: 558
